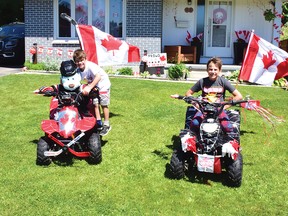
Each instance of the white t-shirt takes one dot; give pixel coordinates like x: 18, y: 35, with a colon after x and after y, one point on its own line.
x: 91, y: 69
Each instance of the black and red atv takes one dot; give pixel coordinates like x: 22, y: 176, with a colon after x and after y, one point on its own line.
x: 69, y: 132
x: 209, y: 149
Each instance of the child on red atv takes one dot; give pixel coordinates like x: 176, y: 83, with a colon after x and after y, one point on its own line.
x: 71, y: 130
x: 70, y: 84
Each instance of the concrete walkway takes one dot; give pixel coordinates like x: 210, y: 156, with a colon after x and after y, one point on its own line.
x: 9, y: 70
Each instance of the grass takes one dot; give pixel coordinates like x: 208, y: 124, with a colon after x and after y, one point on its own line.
x: 132, y: 178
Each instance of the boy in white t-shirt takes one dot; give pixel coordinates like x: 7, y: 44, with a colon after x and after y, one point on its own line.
x: 95, y: 76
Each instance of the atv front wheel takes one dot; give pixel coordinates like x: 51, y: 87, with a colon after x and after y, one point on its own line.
x: 42, y: 146
x: 94, y: 147
x: 234, y: 171
x: 177, y: 164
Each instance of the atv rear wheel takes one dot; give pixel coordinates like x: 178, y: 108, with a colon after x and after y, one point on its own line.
x: 94, y: 147
x: 234, y: 171
x: 177, y: 164
x: 42, y: 146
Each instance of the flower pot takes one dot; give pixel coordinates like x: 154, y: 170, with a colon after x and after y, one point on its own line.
x: 239, y: 52
x: 198, y: 50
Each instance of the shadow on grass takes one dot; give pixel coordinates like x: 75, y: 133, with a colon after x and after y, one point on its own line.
x: 163, y: 155
x: 34, y: 141
x: 111, y: 115
x: 194, y: 176
x: 64, y: 160
x: 103, y: 142
x: 176, y: 142
x: 246, y: 132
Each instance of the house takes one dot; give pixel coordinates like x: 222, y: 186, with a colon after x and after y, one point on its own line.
x: 149, y: 24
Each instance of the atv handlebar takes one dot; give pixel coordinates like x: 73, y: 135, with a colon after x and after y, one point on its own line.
x: 69, y: 99
x: 190, y: 99
x: 73, y: 98
x: 202, y: 102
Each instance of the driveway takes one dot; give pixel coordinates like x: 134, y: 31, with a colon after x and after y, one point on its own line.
x: 9, y: 70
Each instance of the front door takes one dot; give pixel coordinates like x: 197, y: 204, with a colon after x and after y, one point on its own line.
x: 218, y: 28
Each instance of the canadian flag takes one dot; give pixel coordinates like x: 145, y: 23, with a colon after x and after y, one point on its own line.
x: 50, y: 51
x: 70, y: 53
x: 263, y: 62
x: 104, y: 49
x: 40, y: 49
x: 59, y: 52
x: 188, y: 37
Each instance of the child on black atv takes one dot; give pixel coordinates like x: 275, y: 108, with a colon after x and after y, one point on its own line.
x: 213, y: 89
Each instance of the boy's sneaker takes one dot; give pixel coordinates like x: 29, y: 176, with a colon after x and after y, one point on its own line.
x: 105, y: 130
x: 99, y: 128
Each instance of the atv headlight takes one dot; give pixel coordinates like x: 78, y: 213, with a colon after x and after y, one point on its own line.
x: 209, y: 127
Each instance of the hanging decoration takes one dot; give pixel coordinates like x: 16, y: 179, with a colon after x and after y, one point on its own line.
x: 219, y: 15
x: 51, y: 51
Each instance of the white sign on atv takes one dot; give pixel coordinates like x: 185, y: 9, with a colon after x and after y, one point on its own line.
x: 205, y: 163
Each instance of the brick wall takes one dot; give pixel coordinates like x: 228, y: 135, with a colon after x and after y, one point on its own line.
x: 143, y: 27
x: 144, y: 24
x: 38, y: 25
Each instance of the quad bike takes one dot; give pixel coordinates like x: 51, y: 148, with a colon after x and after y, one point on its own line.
x: 69, y: 132
x: 210, y: 148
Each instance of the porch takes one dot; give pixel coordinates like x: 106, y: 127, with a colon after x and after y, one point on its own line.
x: 198, y: 71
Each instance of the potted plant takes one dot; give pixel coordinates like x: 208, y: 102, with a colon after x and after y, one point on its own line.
x: 197, y: 41
x: 240, y: 45
x: 269, y: 15
x: 177, y: 71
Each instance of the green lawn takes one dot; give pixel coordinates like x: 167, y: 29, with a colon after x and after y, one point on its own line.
x: 132, y: 179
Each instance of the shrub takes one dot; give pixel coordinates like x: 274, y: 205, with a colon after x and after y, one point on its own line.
x: 51, y: 65
x: 145, y: 74
x: 125, y: 71
x: 109, y: 70
x: 282, y: 83
x: 31, y: 66
x: 48, y: 65
x: 233, y: 76
x: 177, y: 71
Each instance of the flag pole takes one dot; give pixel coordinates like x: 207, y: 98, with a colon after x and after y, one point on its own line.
x: 246, y: 54
x: 72, y: 21
x: 68, y: 18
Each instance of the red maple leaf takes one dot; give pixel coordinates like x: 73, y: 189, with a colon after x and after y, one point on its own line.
x: 268, y: 60
x: 162, y: 58
x: 66, y: 119
x: 112, y: 43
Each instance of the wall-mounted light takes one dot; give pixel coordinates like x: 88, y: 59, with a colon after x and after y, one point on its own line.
x: 189, y: 2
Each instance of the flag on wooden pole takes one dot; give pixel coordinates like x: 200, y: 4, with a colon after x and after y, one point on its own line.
x: 104, y: 49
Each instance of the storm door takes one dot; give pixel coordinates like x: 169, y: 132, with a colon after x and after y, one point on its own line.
x: 218, y: 28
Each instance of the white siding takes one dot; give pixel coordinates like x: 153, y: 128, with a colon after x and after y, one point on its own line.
x: 248, y: 15
x: 171, y: 34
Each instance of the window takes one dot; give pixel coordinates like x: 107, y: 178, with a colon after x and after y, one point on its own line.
x: 106, y: 15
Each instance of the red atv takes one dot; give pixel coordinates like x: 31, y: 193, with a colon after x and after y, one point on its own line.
x: 68, y: 132
x: 210, y: 148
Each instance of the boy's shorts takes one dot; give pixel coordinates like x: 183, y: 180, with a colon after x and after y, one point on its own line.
x: 104, y: 97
